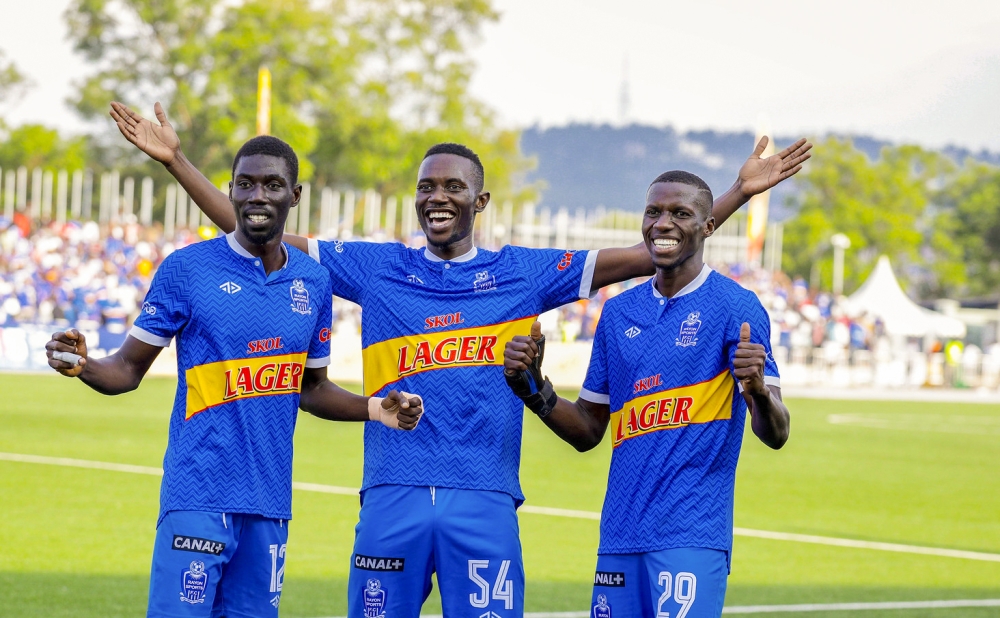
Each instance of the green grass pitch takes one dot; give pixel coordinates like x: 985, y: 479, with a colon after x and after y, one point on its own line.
x: 77, y: 542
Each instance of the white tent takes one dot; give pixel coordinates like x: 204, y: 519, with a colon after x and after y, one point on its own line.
x: 882, y: 297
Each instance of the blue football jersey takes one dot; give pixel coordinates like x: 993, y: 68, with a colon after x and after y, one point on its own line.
x: 244, y: 339
x: 664, y: 366
x: 438, y: 328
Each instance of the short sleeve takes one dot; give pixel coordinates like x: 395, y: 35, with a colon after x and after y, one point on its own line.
x: 754, y: 314
x: 595, y: 386
x: 560, y: 276
x: 319, y: 344
x: 350, y: 264
x: 166, y: 308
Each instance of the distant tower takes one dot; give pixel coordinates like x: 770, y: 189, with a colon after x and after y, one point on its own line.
x: 624, y: 101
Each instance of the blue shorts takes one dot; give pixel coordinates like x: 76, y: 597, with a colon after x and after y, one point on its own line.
x: 217, y: 564
x: 469, y: 538
x: 679, y: 583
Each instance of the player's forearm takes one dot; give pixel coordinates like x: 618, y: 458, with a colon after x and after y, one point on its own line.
x: 207, y: 196
x: 332, y: 403
x: 769, y: 418
x: 575, y: 425
x: 621, y: 264
x: 111, y: 375
x: 728, y: 203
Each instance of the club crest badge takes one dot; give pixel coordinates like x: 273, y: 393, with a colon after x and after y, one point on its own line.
x: 601, y: 608
x: 484, y: 282
x: 688, y: 335
x: 300, y: 297
x: 374, y: 599
x: 194, y: 583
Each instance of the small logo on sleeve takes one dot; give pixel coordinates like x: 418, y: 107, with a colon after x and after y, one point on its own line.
x: 609, y: 579
x: 373, y: 563
x: 194, y: 583
x: 195, y: 544
x: 300, y: 297
x: 149, y: 308
x: 565, y: 261
x: 338, y: 246
x: 688, y: 335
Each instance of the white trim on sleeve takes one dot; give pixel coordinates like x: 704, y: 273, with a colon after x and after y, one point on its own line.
x: 313, y: 246
x: 316, y: 363
x: 147, y: 337
x: 587, y: 280
x: 591, y: 395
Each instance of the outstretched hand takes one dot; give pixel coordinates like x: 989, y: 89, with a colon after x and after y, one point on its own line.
x: 758, y: 175
x: 159, y: 141
x: 748, y: 365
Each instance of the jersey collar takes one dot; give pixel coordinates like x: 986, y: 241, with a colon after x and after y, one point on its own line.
x: 696, y: 283
x: 238, y: 248
x: 465, y: 257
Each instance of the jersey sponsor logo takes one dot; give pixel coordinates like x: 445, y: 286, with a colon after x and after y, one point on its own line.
x: 674, y: 408
x: 565, y: 261
x: 230, y: 288
x: 195, y: 544
x: 484, y: 282
x: 221, y: 382
x: 194, y: 583
x: 688, y: 335
x: 324, y: 335
x: 374, y: 599
x: 609, y: 579
x: 264, y: 345
x: 440, y: 321
x: 373, y: 563
x: 387, y: 361
x: 647, y: 383
x: 632, y: 332
x: 602, y: 609
x: 300, y: 297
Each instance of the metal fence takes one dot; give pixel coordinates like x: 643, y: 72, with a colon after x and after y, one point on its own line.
x: 58, y: 195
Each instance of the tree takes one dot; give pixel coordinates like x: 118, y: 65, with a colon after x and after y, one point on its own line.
x: 360, y: 87
x: 883, y: 206
x: 13, y: 83
x: 34, y: 145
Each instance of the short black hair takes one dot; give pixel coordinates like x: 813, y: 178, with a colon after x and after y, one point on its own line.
x: 272, y: 146
x: 687, y: 178
x: 478, y: 175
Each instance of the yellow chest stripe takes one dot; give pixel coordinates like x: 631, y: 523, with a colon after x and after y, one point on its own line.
x: 674, y: 408
x: 213, y: 384
x: 388, y: 361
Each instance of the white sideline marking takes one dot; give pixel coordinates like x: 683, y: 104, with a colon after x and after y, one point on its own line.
x: 806, y: 607
x: 544, y: 510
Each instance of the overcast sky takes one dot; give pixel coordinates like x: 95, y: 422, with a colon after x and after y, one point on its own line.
x: 917, y: 71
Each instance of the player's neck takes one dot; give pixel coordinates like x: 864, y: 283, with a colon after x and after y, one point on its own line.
x: 670, y: 281
x: 453, y: 250
x: 270, y: 252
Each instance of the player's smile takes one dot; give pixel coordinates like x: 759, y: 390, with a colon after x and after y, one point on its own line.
x: 673, y: 225
x: 447, y: 203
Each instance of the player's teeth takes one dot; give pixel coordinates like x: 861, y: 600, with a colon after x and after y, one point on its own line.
x: 665, y: 243
x: 258, y: 218
x: 441, y: 215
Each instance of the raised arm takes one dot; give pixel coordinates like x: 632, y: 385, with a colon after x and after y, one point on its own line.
x: 769, y: 418
x: 160, y: 143
x: 756, y: 176
x: 112, y: 375
x: 324, y: 399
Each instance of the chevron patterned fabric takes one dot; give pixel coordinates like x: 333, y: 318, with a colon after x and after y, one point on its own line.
x: 242, y: 337
x: 470, y: 434
x: 662, y: 363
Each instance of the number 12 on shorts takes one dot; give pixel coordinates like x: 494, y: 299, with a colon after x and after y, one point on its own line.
x: 503, y: 588
x: 684, y: 585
